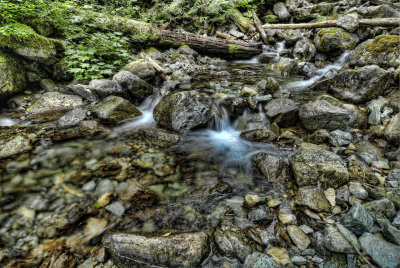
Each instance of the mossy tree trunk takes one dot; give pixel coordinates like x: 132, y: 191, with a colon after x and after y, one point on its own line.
x: 157, y: 37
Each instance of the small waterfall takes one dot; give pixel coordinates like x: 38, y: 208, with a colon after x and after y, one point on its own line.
x: 8, y: 122
x: 279, y: 46
x: 338, y: 64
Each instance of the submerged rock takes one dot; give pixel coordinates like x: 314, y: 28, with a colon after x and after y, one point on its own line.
x: 360, y: 85
x: 183, y: 111
x: 12, y: 75
x: 177, y: 250
x: 321, y: 114
x: 52, y: 105
x: 114, y: 109
x: 23, y: 41
x: 382, y: 51
x: 383, y: 253
x: 139, y: 88
x: 335, y: 40
x: 311, y: 167
x: 159, y: 137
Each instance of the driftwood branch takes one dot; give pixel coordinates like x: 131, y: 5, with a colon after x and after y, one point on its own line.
x: 147, y: 32
x: 384, y: 22
x: 157, y: 67
x: 257, y: 22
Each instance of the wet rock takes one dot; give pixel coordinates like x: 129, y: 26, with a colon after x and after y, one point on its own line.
x: 13, y: 146
x: 259, y: 135
x: 258, y: 260
x: 299, y: 238
x: 382, y: 51
x: 321, y: 114
x: 272, y: 85
x: 279, y: 255
x: 396, y: 221
x: 299, y: 260
x: 159, y: 137
x: 142, y: 69
x: 391, y: 233
x: 250, y: 200
x: 313, y: 198
x: 272, y: 167
x: 336, y: 240
x: 139, y: 88
x: 281, y: 11
x: 114, y: 109
x: 383, y: 208
x: 235, y: 106
x: 104, y: 88
x: 177, y: 250
x: 311, y: 167
x: 358, y: 220
x: 252, y: 121
x: 232, y: 241
x: 335, y: 40
x: 283, y: 112
x: 52, y: 105
x: 304, y: 50
x: 260, y: 215
x: 348, y: 22
x: 183, y: 111
x: 248, y: 91
x: 392, y: 130
x: 12, y: 75
x: 61, y: 70
x: 340, y: 138
x: 25, y: 42
x: 71, y: 118
x: 383, y: 253
x: 358, y: 190
x: 360, y: 85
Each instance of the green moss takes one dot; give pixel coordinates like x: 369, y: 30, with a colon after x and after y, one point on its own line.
x: 149, y: 50
x: 271, y: 19
x: 339, y: 39
x: 384, y: 44
x: 20, y: 35
x: 184, y: 46
x: 175, y: 56
x: 233, y: 49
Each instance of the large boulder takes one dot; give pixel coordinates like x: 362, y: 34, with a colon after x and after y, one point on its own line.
x: 104, y: 88
x: 392, y: 130
x: 335, y: 40
x: 183, y: 111
x: 383, y: 253
x: 177, y: 250
x: 311, y: 167
x: 25, y: 42
x: 53, y: 105
x: 138, y: 88
x: 114, y: 109
x: 341, y: 240
x: 321, y: 114
x: 284, y: 112
x: 304, y: 50
x: 142, y: 69
x: 12, y: 75
x: 382, y: 51
x: 359, y: 85
x: 281, y: 11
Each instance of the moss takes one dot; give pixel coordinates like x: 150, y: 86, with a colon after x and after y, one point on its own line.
x: 175, y: 56
x: 384, y: 44
x: 18, y: 35
x: 233, y: 49
x: 150, y: 50
x: 184, y: 46
x: 341, y: 40
x: 12, y: 75
x: 271, y: 19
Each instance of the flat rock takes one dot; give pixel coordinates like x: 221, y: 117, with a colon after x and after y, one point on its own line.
x: 15, y: 145
x: 383, y: 253
x: 311, y: 167
x: 313, y: 198
x: 358, y: 220
x: 338, y: 241
x: 114, y: 109
x: 177, y: 250
x: 71, y: 118
x: 284, y: 112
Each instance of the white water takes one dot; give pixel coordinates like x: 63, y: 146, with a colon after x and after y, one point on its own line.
x: 338, y: 64
x: 7, y: 122
x: 278, y: 46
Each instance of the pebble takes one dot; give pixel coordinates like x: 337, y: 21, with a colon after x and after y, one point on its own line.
x: 299, y: 260
x: 299, y: 238
x: 116, y: 208
x: 306, y: 229
x: 358, y: 190
x: 89, y: 186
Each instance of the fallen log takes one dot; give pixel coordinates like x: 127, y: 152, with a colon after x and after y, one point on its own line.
x: 383, y: 22
x: 257, y: 22
x: 146, y: 32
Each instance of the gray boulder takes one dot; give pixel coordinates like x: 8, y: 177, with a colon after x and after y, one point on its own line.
x: 281, y: 11
x: 311, y: 167
x: 321, y: 114
x: 382, y: 51
x: 183, y: 111
x: 72, y: 118
x: 114, y: 109
x: 142, y: 69
x: 382, y: 208
x: 391, y: 233
x: 284, y: 112
x: 335, y: 40
x: 177, y: 250
x: 104, y: 88
x: 336, y: 240
x: 348, y: 22
x: 139, y: 88
x: 358, y: 220
x: 392, y: 130
x: 304, y: 50
x: 383, y: 253
x: 360, y: 85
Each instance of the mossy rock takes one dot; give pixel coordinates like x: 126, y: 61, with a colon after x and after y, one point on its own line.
x: 382, y: 51
x: 44, y: 28
x: 335, y: 40
x: 24, y: 41
x: 61, y: 70
x: 12, y: 75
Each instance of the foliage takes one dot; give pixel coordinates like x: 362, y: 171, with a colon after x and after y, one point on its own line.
x: 98, y: 56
